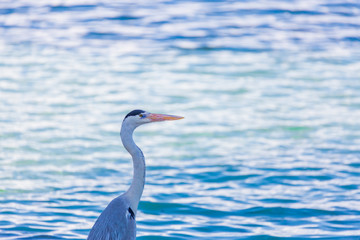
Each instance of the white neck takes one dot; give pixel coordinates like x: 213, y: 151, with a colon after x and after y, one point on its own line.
x: 137, y: 185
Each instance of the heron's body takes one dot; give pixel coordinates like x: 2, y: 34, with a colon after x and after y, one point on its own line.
x: 117, y: 221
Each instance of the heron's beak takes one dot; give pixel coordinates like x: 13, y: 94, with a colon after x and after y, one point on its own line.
x: 154, y: 117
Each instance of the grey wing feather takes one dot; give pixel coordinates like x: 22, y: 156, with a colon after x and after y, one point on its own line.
x: 115, y: 222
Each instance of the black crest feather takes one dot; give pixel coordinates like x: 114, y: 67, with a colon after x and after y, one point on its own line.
x: 134, y: 113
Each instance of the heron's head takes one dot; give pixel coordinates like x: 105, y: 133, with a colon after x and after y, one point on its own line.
x: 136, y: 118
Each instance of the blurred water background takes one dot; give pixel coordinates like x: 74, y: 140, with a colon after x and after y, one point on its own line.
x: 270, y: 90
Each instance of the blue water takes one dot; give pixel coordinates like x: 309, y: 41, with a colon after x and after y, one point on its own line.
x: 270, y: 91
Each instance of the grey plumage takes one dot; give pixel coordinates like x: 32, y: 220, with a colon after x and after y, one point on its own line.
x: 117, y: 221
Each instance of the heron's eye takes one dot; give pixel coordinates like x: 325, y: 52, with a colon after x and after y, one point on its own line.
x: 141, y: 115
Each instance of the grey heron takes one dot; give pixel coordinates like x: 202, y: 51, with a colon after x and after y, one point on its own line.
x: 117, y: 221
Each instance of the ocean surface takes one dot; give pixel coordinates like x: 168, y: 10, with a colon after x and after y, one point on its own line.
x: 270, y: 91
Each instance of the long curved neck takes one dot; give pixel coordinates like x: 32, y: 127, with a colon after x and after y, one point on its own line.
x: 137, y: 185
